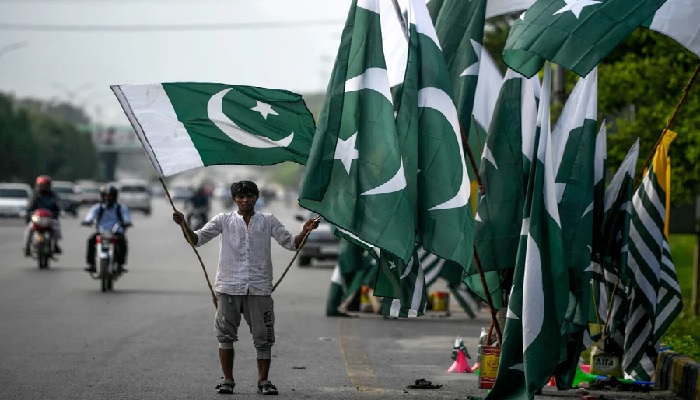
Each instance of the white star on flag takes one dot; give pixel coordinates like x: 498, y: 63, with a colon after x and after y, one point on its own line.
x: 346, y: 152
x: 392, y: 266
x: 264, y: 109
x: 575, y: 6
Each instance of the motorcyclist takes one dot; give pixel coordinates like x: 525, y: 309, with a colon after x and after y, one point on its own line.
x: 46, y: 198
x: 199, y: 202
x: 105, y: 215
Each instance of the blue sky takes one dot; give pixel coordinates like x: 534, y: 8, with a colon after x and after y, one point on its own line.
x: 72, y: 50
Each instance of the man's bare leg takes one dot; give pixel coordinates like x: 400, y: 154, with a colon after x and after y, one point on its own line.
x: 226, y: 358
x: 263, y: 369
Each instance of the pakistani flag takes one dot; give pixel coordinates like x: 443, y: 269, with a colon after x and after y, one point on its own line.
x: 678, y: 19
x: 189, y: 125
x: 355, y: 174
x: 655, y: 296
x: 499, y: 212
x: 353, y: 264
x: 445, y: 223
x: 574, y: 142
x: 576, y: 34
x: 537, y: 305
x: 459, y: 26
x: 609, y: 261
x: 402, y: 286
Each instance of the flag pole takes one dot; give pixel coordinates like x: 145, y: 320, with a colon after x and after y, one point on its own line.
x: 303, y: 242
x: 668, y: 125
x: 191, y: 242
x: 477, y: 260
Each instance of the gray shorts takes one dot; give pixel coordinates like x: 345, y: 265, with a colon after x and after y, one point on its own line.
x: 258, y: 313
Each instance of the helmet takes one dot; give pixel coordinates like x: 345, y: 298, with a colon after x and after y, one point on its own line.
x: 109, y: 193
x: 43, y: 183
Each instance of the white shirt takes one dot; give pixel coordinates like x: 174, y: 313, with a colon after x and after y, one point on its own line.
x: 245, y: 259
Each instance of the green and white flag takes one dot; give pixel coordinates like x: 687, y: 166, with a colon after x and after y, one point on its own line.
x: 402, y: 287
x: 654, y: 296
x: 678, y: 19
x: 500, y: 209
x: 609, y: 262
x: 435, y: 267
x: 532, y: 340
x: 445, y: 223
x: 574, y: 142
x: 576, y: 34
x: 186, y: 125
x: 348, y: 275
x: 355, y: 175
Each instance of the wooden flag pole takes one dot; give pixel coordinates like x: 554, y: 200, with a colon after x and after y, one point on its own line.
x: 303, y: 242
x: 668, y: 125
x: 477, y: 260
x: 183, y: 226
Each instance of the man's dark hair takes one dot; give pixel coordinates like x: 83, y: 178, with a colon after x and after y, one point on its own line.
x: 244, y: 188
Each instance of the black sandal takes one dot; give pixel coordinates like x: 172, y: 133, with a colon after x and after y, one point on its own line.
x: 225, y: 387
x: 266, y: 388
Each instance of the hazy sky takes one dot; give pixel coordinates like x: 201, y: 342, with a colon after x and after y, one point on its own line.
x: 72, y: 50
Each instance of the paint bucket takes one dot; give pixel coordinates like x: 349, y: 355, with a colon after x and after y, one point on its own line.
x: 488, y: 368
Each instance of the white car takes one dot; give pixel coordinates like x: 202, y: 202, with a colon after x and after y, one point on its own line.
x: 14, y: 199
x: 135, y: 194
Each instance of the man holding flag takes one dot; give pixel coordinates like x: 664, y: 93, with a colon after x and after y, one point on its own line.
x: 244, y: 277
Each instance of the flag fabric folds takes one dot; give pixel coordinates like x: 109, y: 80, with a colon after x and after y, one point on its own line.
x: 355, y: 174
x: 654, y: 293
x: 576, y: 34
x: 499, y: 211
x: 678, y: 19
x: 532, y: 340
x: 402, y: 286
x: 185, y: 125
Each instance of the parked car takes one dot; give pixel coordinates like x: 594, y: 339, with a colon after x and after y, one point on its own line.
x: 321, y: 244
x: 181, y: 193
x: 68, y: 198
x: 88, y: 193
x: 14, y: 199
x: 135, y: 194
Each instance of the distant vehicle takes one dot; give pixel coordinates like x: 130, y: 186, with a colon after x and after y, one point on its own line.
x: 69, y: 199
x: 14, y: 199
x: 88, y: 193
x: 157, y: 190
x: 135, y: 194
x: 321, y: 244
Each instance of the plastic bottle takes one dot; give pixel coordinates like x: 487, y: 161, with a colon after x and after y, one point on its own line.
x: 482, y: 339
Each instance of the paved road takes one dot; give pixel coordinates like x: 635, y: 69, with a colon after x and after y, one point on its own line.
x: 152, y: 338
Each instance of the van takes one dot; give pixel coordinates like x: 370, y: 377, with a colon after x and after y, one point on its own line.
x: 135, y: 194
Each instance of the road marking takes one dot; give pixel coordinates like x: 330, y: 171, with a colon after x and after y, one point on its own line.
x: 357, y: 362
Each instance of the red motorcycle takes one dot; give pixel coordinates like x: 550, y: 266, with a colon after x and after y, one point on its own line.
x: 41, y: 243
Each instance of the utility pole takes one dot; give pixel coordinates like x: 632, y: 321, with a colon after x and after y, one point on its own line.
x: 695, y: 293
x: 558, y: 82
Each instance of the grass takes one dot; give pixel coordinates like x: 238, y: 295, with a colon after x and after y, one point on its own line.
x: 684, y: 334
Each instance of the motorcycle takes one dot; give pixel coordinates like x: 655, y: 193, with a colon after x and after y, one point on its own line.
x: 105, y: 245
x: 197, y: 217
x: 41, y: 242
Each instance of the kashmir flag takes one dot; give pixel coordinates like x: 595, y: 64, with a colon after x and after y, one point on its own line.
x: 499, y: 212
x: 655, y: 296
x: 678, y: 19
x: 609, y: 258
x: 435, y: 267
x: 532, y: 340
x: 576, y: 34
x: 186, y: 125
x: 402, y: 286
x: 355, y: 174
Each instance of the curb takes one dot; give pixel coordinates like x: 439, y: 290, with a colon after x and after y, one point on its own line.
x: 678, y: 373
